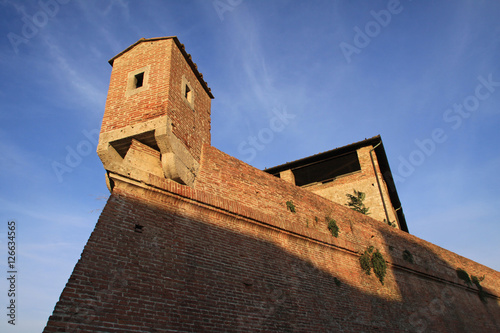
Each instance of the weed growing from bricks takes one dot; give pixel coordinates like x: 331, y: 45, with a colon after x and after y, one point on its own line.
x: 375, y: 260
x: 464, y: 276
x: 333, y: 227
x: 365, y: 260
x: 477, y: 281
x: 356, y: 202
x: 407, y: 256
x: 379, y: 266
x: 290, y: 206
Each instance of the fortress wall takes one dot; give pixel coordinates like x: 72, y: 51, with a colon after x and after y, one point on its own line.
x: 229, y: 256
x: 228, y: 177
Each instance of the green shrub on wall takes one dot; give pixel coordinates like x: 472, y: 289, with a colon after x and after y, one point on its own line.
x: 375, y: 260
x: 464, y: 276
x: 408, y: 256
x: 333, y: 227
x: 379, y: 266
x: 356, y: 202
x: 477, y: 281
x: 365, y: 260
x: 290, y: 206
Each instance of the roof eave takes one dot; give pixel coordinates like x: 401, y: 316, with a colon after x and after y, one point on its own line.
x: 181, y: 47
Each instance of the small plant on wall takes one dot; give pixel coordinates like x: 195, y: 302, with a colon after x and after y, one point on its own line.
x: 464, y: 276
x: 408, y: 256
x: 355, y: 202
x: 365, y: 260
x: 332, y: 226
x: 477, y: 281
x: 370, y: 259
x: 392, y: 224
x: 290, y: 206
x: 379, y: 266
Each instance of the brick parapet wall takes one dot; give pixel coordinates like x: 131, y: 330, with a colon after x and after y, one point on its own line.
x: 204, y: 260
x: 357, y: 231
x: 206, y: 263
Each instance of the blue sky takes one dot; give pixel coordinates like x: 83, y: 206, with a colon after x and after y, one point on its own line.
x: 424, y: 75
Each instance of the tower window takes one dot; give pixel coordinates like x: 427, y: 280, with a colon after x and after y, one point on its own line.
x: 187, y: 92
x: 139, y: 80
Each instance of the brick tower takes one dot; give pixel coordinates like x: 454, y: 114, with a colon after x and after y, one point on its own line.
x: 157, y: 114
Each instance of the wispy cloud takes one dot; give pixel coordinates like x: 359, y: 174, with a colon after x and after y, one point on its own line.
x: 66, y: 70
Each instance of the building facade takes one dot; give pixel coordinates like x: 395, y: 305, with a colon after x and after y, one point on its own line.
x: 361, y: 166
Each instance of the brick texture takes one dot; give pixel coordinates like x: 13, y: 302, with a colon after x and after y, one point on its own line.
x: 167, y: 67
x: 229, y: 256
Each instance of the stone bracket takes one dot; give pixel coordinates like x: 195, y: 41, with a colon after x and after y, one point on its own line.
x: 176, y: 161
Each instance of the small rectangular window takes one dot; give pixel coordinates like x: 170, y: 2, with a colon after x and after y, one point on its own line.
x: 187, y: 93
x: 139, y: 80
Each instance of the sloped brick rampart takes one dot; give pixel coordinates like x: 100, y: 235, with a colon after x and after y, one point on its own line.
x: 228, y: 256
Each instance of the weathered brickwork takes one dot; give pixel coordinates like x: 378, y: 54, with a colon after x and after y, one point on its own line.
x: 165, y: 67
x: 201, y: 263
x: 238, y: 249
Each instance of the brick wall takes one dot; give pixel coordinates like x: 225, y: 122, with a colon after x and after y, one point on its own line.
x: 228, y: 255
x: 122, y: 110
x: 192, y: 127
x: 165, y: 66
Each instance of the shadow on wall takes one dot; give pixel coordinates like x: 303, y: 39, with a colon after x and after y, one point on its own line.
x: 157, y: 270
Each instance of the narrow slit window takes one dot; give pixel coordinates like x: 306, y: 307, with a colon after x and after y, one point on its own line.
x: 139, y: 80
x: 187, y: 92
